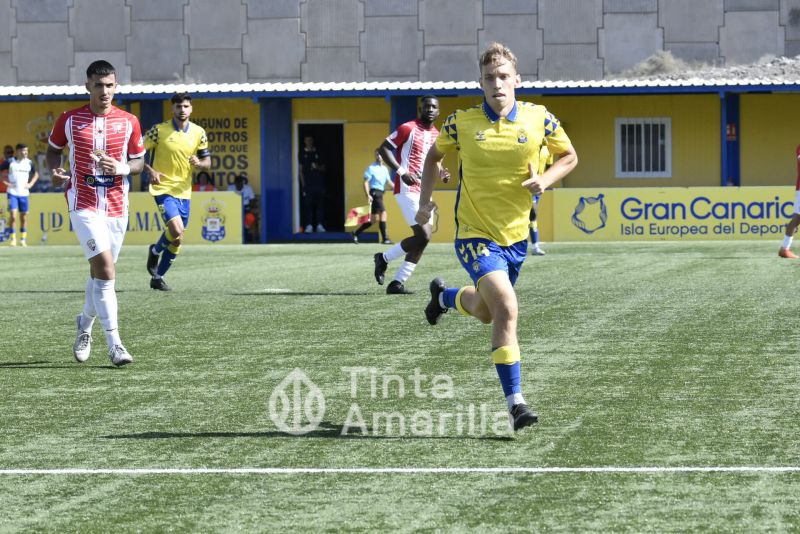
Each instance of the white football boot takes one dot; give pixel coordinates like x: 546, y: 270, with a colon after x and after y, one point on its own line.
x: 82, y: 348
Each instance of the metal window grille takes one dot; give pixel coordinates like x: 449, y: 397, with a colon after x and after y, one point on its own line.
x: 643, y: 148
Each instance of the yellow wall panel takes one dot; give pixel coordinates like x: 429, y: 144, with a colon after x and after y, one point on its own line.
x: 769, y: 138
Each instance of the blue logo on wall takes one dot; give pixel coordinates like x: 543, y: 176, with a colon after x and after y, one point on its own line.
x: 590, y: 214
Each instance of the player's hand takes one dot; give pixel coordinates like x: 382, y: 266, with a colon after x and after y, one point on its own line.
x: 155, y: 177
x: 424, y: 213
x: 59, y: 176
x: 194, y: 161
x: 369, y: 199
x: 409, y: 179
x: 444, y: 174
x: 534, y: 183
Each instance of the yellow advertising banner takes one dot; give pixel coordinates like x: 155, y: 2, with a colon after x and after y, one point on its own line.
x: 675, y: 214
x: 234, y: 138
x: 215, y: 217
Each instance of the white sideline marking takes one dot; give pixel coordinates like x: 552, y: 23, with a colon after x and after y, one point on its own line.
x: 397, y: 470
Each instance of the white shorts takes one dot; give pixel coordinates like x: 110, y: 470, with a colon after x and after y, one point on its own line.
x: 409, y: 205
x: 98, y: 233
x: 797, y: 202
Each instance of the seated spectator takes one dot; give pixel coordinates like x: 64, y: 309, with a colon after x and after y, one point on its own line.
x: 203, y: 182
x: 249, y: 218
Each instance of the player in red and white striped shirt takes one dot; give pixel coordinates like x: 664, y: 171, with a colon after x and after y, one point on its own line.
x: 404, y: 152
x: 105, y: 146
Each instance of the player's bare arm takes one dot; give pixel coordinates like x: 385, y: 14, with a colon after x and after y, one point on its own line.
x: 387, y: 153
x: 200, y: 163
x: 60, y: 176
x: 537, y: 183
x: 117, y: 168
x: 430, y: 173
x: 34, y: 180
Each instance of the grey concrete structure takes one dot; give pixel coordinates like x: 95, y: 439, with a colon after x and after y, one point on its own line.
x: 628, y: 37
x: 159, y: 41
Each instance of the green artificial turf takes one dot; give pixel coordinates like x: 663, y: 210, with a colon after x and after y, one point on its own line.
x: 659, y: 355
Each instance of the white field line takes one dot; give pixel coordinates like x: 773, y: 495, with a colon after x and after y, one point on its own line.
x: 400, y: 470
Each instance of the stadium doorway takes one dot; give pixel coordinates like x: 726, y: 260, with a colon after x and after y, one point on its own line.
x: 329, y: 141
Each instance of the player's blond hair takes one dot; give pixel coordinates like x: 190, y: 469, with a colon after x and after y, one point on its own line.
x: 496, y: 53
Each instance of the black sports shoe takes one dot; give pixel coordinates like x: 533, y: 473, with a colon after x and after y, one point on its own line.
x: 152, y: 261
x: 434, y: 310
x: 160, y: 284
x: 355, y: 237
x: 523, y: 416
x: 397, y: 288
x: 380, y: 268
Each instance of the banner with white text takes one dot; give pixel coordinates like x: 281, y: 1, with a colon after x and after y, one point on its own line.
x: 675, y: 214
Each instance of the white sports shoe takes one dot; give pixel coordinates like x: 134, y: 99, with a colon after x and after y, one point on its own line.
x: 320, y: 228
x: 308, y: 229
x: 82, y: 348
x: 536, y: 250
x: 119, y: 356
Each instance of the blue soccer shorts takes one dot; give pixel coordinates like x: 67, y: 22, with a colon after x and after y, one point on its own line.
x: 482, y: 256
x: 17, y: 203
x: 170, y: 207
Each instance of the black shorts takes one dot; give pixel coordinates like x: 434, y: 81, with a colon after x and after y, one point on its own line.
x: 377, y: 201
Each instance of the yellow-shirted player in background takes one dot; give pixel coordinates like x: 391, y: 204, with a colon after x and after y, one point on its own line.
x: 498, y: 144
x: 174, y: 147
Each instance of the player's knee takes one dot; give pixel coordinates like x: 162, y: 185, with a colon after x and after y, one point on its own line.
x: 505, y: 311
x: 484, y: 316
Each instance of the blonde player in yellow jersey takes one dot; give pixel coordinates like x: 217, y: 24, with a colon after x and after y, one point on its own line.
x: 174, y: 147
x: 498, y: 144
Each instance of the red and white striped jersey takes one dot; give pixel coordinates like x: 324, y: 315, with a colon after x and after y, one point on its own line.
x: 119, y: 135
x: 411, y: 141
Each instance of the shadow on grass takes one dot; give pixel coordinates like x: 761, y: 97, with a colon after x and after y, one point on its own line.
x: 284, y: 293
x: 44, y: 364
x: 324, y: 430
x: 48, y: 291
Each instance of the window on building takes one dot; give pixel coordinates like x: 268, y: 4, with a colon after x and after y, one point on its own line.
x: 644, y: 148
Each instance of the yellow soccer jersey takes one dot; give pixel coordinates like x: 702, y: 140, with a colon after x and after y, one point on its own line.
x: 493, y: 157
x: 169, y: 149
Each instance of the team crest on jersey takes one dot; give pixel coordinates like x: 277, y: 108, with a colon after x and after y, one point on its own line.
x: 480, y: 136
x: 522, y: 136
x: 92, y: 244
x: 476, y: 266
x: 213, y: 221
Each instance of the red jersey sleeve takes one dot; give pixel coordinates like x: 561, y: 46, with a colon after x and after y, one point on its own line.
x: 58, y: 137
x: 400, y: 135
x: 135, y: 143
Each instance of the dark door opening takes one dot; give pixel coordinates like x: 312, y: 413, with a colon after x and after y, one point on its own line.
x: 329, y: 141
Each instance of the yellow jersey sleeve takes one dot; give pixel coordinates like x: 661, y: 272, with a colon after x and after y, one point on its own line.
x: 448, y: 135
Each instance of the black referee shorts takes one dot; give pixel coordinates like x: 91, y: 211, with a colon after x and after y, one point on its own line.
x: 377, y: 201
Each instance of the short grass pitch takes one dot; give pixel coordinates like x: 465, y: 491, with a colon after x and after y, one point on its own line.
x: 278, y: 387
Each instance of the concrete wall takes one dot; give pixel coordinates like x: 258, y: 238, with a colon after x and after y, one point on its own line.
x: 215, y: 41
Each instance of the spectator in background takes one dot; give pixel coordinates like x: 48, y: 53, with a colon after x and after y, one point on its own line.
x: 243, y: 189
x: 312, y: 186
x: 204, y: 182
